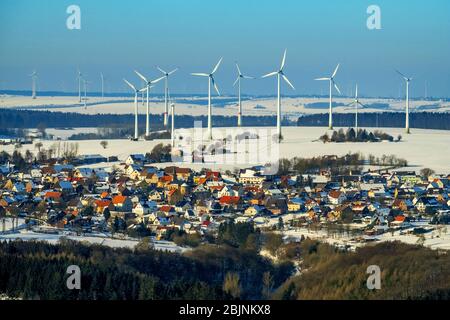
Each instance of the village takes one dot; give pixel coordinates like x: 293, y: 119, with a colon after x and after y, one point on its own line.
x: 137, y: 198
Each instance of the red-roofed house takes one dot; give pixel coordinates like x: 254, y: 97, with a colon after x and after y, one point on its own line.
x: 336, y: 197
x: 122, y: 203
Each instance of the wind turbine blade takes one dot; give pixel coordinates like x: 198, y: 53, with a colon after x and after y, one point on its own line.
x: 141, y: 76
x: 239, y: 70
x: 215, y: 86
x: 173, y: 71
x: 248, y: 77
x: 200, y: 74
x: 402, y: 75
x: 162, y: 71
x: 356, y: 92
x: 217, y: 66
x: 284, y: 59
x: 337, y: 88
x: 236, y: 81
x: 288, y: 82
x: 130, y: 85
x: 143, y: 89
x: 322, y: 79
x: 269, y: 74
x: 335, y: 71
x: 157, y: 80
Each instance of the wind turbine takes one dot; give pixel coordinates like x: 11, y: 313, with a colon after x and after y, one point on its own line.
x: 85, y: 82
x: 356, y: 103
x: 238, y: 81
x: 332, y: 83
x: 136, y: 134
x: 103, y: 84
x: 166, y: 93
x: 33, y: 84
x: 79, y: 78
x: 172, y: 105
x: 280, y: 74
x: 407, y: 80
x: 210, y: 81
x: 148, y: 86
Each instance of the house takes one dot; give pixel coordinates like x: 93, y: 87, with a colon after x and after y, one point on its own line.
x: 18, y: 187
x: 294, y: 206
x: 84, y: 173
x: 230, y: 191
x: 426, y: 204
x: 373, y: 190
x: 36, y: 173
x: 142, y: 208
x: 122, y: 203
x: 174, y: 196
x: 402, y: 204
x: 135, y: 159
x: 167, y: 210
x: 251, y: 177
x: 230, y: 201
x: 275, y: 193
x: 64, y: 186
x: 182, y: 174
x: 254, y: 210
x: 336, y: 197
x: 133, y: 169
x: 90, y: 159
x: 102, y: 204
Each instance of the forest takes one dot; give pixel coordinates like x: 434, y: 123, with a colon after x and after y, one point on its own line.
x: 20, y: 119
x: 37, y: 270
x: 421, y: 120
x: 407, y: 272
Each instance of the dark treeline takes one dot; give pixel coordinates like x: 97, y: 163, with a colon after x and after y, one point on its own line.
x: 424, y: 120
x: 37, y: 270
x: 16, y: 118
x: 407, y: 272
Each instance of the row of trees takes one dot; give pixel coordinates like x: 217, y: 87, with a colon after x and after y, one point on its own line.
x: 13, y: 118
x: 23, y: 160
x: 310, y: 165
x: 424, y: 120
x: 337, y: 165
x: 350, y: 135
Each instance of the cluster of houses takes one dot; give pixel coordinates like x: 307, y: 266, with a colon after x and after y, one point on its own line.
x: 139, y: 194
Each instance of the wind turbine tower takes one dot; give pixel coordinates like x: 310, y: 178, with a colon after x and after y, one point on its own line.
x: 79, y: 78
x: 356, y: 103
x: 148, y: 85
x: 103, y: 84
x: 166, y: 93
x: 136, y: 133
x: 173, y: 124
x: 407, y: 80
x: 210, y: 81
x: 33, y: 84
x: 280, y: 74
x: 238, y: 81
x: 332, y: 83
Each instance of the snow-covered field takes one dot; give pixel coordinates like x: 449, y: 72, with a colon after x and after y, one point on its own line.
x: 94, y: 239
x: 292, y: 106
x: 439, y: 238
x: 422, y: 148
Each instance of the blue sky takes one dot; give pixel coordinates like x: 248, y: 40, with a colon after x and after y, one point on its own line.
x: 119, y: 36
